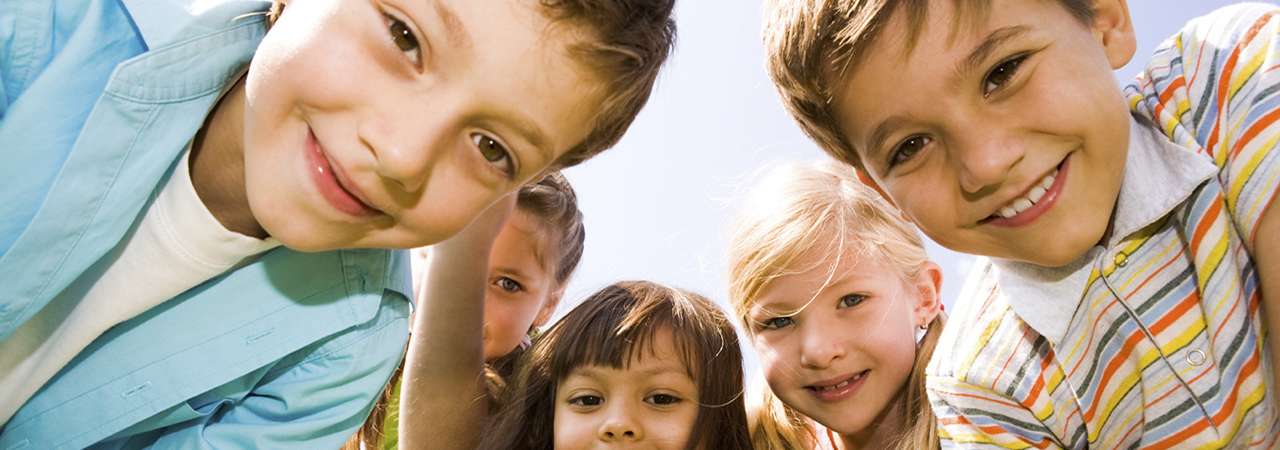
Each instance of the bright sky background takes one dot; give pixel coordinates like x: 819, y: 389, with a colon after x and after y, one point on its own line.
x: 659, y: 205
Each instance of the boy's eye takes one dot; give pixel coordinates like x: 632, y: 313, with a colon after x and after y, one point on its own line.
x: 586, y: 400
x: 852, y: 300
x: 1001, y: 74
x: 907, y: 149
x: 494, y: 153
x: 402, y: 36
x: 663, y: 399
x: 508, y: 285
x: 775, y: 323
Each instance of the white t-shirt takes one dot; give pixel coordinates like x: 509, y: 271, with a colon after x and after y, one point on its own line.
x: 177, y: 245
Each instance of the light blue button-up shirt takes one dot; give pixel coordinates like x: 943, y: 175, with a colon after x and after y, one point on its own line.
x: 98, y: 98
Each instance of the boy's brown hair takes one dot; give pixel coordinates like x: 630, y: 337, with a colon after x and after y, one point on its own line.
x: 626, y: 42
x: 811, y: 45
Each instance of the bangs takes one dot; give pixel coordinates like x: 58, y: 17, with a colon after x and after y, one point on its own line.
x: 619, y: 325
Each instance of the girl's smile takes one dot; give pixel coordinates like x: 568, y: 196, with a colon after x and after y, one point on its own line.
x: 839, y: 388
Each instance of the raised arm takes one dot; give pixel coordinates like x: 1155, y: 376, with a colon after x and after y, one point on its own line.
x: 442, y: 401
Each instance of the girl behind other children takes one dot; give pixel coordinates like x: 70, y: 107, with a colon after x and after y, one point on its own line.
x: 637, y: 363
x: 841, y: 303
x: 533, y: 257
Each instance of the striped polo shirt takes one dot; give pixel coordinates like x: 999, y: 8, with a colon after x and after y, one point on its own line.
x: 1152, y: 339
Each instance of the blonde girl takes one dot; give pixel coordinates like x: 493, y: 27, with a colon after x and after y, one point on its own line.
x: 841, y: 303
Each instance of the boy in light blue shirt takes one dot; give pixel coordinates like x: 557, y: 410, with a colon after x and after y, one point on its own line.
x: 348, y: 126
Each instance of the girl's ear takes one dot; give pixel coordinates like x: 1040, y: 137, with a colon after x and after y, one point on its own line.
x: 928, y: 285
x: 1113, y: 28
x: 548, y: 307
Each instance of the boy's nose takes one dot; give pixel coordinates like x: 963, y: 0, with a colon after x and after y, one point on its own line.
x: 986, y: 164
x: 404, y: 155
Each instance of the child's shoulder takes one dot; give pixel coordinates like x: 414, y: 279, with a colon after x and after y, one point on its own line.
x: 981, y: 329
x: 1212, y: 39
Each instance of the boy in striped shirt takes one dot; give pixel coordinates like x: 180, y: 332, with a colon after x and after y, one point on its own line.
x: 1133, y: 255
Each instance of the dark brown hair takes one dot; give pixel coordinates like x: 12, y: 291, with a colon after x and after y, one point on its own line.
x: 810, y: 45
x: 609, y: 329
x: 554, y: 203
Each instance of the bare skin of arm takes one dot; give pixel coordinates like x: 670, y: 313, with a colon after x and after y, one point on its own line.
x: 1266, y: 254
x: 442, y: 401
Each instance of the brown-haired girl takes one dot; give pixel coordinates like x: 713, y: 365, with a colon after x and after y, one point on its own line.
x: 636, y: 363
x: 841, y: 303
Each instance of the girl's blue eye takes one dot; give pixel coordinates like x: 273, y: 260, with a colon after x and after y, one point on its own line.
x: 509, y: 285
x: 663, y: 399
x: 495, y: 153
x: 586, y: 400
x: 852, y: 300
x: 775, y: 323
x: 907, y: 149
x: 402, y: 36
x: 1001, y: 74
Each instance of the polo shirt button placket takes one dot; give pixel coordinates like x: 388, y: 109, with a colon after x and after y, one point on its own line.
x: 1121, y: 260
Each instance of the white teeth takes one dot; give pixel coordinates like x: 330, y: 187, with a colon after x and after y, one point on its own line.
x: 1034, y: 195
x: 1022, y: 204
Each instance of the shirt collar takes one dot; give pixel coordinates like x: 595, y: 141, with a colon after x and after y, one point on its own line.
x: 162, y: 22
x: 1158, y: 176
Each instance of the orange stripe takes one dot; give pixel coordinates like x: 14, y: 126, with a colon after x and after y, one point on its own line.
x: 1110, y: 371
x: 1092, y: 333
x: 996, y: 430
x: 1206, y: 222
x: 1167, y: 93
x: 1174, y: 314
x: 1261, y: 124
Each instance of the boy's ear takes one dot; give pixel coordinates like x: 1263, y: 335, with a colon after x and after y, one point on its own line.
x: 928, y: 285
x: 1113, y: 27
x: 548, y: 307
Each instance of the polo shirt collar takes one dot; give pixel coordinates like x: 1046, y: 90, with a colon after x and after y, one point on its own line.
x: 1158, y: 176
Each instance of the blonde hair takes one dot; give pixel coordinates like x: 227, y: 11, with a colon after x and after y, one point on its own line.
x: 773, y: 424
x: 802, y: 208
x: 810, y: 45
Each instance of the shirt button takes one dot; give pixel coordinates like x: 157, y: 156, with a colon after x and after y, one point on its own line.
x: 1196, y: 357
x: 1122, y: 260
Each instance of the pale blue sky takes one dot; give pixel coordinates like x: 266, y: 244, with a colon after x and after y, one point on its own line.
x: 659, y: 206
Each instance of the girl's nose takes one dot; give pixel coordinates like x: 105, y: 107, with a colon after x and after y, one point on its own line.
x: 620, y: 428
x: 819, y: 351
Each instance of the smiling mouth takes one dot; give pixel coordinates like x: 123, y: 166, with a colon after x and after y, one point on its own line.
x: 839, y: 389
x: 1034, y: 202
x: 331, y: 183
